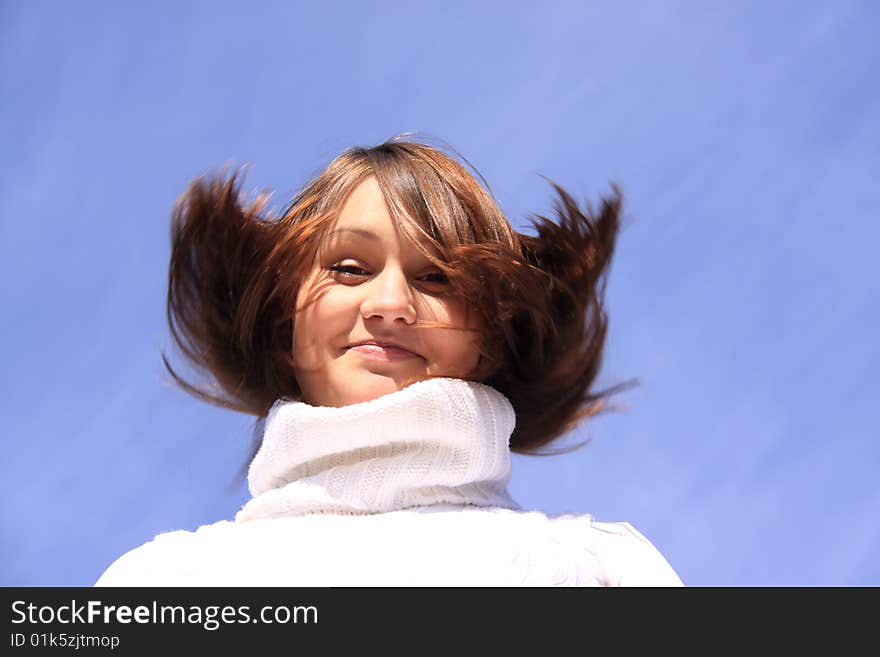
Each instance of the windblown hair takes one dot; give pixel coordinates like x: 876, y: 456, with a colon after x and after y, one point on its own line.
x: 235, y: 271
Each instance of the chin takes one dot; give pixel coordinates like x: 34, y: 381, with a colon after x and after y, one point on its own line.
x: 366, y: 391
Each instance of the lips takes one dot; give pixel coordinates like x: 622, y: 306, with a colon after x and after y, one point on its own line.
x: 382, y: 350
x: 380, y: 343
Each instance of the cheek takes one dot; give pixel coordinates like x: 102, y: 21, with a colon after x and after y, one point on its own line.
x: 306, y: 333
x: 454, y: 348
x: 302, y: 320
x: 455, y: 353
x: 321, y: 322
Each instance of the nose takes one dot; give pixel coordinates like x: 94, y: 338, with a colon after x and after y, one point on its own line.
x: 389, y: 296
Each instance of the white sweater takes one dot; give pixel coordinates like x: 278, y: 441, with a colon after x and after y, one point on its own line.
x: 409, y: 489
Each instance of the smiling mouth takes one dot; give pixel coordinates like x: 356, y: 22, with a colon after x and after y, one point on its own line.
x: 380, y: 353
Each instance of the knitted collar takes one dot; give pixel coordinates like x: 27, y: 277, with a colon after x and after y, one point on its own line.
x: 439, y: 441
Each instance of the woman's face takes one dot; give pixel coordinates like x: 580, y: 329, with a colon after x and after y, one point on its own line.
x: 372, y: 285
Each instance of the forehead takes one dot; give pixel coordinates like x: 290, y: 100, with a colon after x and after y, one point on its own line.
x: 365, y: 218
x: 363, y: 213
x: 365, y: 198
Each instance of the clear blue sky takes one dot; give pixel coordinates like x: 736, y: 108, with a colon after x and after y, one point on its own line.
x: 746, y: 139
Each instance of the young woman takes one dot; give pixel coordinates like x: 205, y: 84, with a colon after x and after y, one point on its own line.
x: 397, y: 339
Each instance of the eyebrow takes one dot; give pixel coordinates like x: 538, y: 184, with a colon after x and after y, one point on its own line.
x: 368, y: 234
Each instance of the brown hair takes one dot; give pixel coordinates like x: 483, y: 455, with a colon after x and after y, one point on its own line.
x: 235, y: 270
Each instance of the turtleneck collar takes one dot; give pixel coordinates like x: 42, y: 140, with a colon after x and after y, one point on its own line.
x: 439, y: 441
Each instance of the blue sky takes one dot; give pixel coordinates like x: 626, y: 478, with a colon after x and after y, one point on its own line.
x: 745, y: 137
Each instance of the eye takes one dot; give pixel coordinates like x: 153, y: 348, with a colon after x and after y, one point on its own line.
x: 437, y: 277
x: 348, y: 271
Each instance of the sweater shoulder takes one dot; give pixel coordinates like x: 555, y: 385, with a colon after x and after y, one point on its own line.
x: 622, y: 555
x: 165, y: 559
x: 616, y: 552
x: 628, y: 558
x: 475, y: 546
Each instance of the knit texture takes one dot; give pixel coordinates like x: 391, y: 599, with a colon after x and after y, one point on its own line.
x: 435, y: 442
x: 409, y: 489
